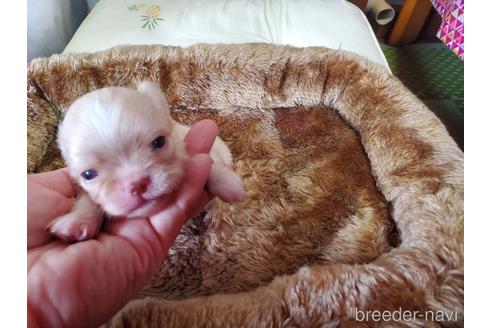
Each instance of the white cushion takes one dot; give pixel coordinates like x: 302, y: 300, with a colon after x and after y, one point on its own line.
x: 327, y: 23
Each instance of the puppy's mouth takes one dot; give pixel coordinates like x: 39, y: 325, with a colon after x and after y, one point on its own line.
x: 147, y: 207
x: 154, y: 200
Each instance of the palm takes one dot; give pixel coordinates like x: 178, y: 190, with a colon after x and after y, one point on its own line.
x: 101, y: 271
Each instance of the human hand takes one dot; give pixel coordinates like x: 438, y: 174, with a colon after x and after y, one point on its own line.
x: 83, y: 284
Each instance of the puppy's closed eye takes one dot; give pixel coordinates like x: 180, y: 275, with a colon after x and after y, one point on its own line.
x: 158, y: 143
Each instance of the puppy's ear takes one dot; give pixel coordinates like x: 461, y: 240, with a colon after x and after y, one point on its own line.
x: 153, y: 92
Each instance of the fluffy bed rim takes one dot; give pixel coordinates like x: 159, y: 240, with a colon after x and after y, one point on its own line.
x: 417, y: 166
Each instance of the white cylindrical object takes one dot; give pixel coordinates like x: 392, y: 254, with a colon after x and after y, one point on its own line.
x: 382, y: 12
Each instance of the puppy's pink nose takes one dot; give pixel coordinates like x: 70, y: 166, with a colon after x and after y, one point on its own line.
x: 139, y: 186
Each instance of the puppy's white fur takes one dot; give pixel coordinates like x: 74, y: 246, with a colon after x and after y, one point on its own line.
x: 110, y: 131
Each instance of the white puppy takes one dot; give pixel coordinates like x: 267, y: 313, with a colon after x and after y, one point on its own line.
x: 127, y: 154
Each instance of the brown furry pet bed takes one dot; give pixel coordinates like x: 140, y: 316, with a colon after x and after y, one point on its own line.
x: 354, y: 188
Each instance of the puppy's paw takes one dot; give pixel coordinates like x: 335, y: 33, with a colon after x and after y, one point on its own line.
x: 74, y: 227
x: 225, y: 183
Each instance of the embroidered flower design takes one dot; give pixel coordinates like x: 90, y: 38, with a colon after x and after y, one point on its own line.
x: 153, y: 11
x: 151, y: 18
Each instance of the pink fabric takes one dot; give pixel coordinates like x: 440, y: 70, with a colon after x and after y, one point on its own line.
x: 452, y: 29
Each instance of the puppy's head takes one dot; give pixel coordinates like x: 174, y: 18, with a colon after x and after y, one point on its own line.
x: 118, y: 145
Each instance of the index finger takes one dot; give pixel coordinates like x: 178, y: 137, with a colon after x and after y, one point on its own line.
x: 201, y: 137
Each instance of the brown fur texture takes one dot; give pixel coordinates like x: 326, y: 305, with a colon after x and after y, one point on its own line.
x: 313, y: 131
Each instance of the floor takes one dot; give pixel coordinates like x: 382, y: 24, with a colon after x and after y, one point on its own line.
x: 435, y: 75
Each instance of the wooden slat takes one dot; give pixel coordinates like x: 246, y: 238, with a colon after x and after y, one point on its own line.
x: 410, y: 21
